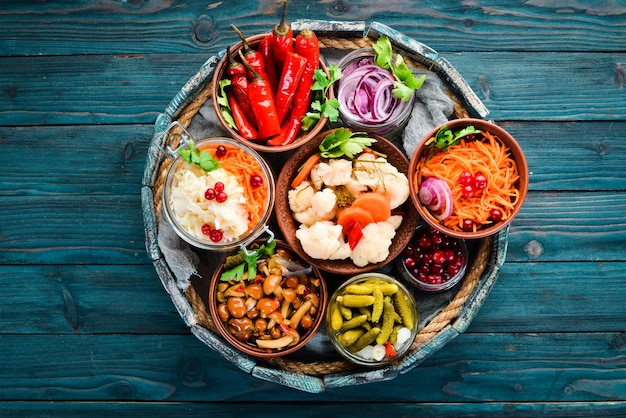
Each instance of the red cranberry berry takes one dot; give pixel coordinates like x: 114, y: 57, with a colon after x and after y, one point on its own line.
x: 466, y: 178
x: 221, y: 197
x: 206, y: 229
x: 468, y: 225
x: 219, y: 186
x: 210, y: 193
x: 220, y: 151
x: 495, y: 215
x: 467, y: 191
x: 216, y: 235
x: 256, y: 181
x: 480, y: 181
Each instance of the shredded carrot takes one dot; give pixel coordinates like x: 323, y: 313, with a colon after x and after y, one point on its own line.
x: 244, y: 166
x: 489, y: 157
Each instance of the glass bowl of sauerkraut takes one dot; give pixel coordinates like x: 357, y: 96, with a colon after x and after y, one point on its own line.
x: 218, y: 194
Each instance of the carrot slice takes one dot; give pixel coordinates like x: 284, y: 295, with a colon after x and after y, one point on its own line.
x: 305, y: 170
x: 376, y: 204
x: 353, y: 214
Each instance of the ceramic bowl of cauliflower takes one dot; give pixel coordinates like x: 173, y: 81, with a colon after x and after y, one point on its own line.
x: 343, y: 201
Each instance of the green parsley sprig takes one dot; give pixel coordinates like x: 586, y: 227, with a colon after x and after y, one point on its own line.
x: 202, y: 159
x: 406, y: 82
x: 342, y: 142
x: 445, y: 138
x: 246, y: 262
x: 321, y: 105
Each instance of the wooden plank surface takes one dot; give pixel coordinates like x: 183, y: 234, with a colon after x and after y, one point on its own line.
x: 86, y: 328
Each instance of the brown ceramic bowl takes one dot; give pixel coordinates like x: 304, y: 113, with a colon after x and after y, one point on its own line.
x: 218, y: 75
x: 521, y: 184
x: 288, y: 225
x: 304, y: 292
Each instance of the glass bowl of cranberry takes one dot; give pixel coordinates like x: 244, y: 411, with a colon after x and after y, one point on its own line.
x: 433, y: 261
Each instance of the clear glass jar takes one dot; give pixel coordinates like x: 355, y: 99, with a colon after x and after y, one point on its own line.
x: 375, y: 353
x: 433, y: 261
x: 194, y: 213
x: 352, y: 115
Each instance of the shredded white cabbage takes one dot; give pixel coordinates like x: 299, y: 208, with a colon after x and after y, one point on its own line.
x: 192, y: 209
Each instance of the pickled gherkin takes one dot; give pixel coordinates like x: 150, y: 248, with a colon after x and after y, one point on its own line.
x: 404, y: 310
x: 355, y: 322
x: 351, y: 336
x: 387, y: 325
x: 377, y: 308
x: 336, y: 319
x: 365, y: 340
x: 356, y: 301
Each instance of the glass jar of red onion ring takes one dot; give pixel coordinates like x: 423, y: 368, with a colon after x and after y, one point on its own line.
x: 366, y: 101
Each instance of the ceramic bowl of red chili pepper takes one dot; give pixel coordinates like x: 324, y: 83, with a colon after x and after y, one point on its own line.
x: 433, y: 261
x: 468, y: 178
x: 262, y: 104
x: 273, y: 311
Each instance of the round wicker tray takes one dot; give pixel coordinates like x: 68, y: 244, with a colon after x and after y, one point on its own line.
x: 443, y: 317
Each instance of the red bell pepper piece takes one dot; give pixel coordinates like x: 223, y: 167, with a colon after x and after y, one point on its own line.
x: 290, y: 76
x: 262, y: 102
x: 389, y: 350
x: 282, y: 39
x: 355, y: 233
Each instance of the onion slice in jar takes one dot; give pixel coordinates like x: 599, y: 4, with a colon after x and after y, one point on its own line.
x: 436, y: 195
x: 365, y: 91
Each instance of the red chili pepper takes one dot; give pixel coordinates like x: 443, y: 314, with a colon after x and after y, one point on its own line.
x: 289, y: 78
x: 284, y: 328
x: 308, y: 46
x: 299, y: 107
x: 239, y: 87
x: 262, y: 102
x: 244, y: 127
x: 282, y: 39
x: 389, y: 350
x: 254, y: 57
x: 265, y: 48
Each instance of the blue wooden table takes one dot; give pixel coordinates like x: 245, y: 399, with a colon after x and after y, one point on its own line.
x: 87, y: 329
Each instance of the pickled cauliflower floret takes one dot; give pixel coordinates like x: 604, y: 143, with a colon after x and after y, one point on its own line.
x: 300, y: 197
x: 193, y: 210
x: 374, y: 245
x: 323, y: 240
x: 323, y: 207
x: 382, y: 177
x: 335, y: 172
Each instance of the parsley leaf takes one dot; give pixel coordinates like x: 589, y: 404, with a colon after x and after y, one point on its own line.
x: 222, y: 100
x: 405, y: 82
x: 249, y: 262
x: 446, y: 138
x: 344, y: 142
x: 322, y: 105
x: 203, y: 159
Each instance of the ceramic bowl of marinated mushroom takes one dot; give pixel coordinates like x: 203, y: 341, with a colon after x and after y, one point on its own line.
x: 272, y: 310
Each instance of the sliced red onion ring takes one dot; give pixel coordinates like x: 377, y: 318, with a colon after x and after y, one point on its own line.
x: 365, y: 93
x: 439, y: 197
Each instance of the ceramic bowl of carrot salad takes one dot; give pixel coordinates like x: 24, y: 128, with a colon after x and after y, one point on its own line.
x: 468, y: 178
x: 218, y: 194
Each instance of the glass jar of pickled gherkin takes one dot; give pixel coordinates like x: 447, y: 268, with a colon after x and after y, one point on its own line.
x: 372, y: 319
